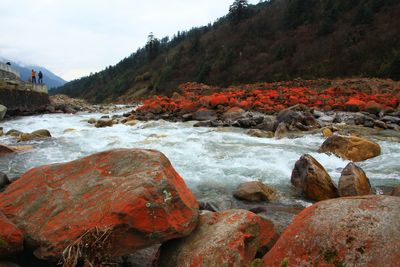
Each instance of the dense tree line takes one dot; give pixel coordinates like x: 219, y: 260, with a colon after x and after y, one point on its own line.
x: 274, y: 40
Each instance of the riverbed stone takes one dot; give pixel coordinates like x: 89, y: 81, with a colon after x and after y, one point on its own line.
x: 351, y: 147
x: 227, y: 238
x: 3, y: 110
x: 260, y: 133
x: 11, y: 238
x: 14, y: 133
x: 281, y: 131
x: 353, y: 231
x: 311, y: 179
x: 354, y: 182
x: 233, y: 114
x: 326, y: 132
x: 134, y: 195
x: 204, y: 115
x: 104, y: 123
x: 5, y: 150
x: 255, y: 191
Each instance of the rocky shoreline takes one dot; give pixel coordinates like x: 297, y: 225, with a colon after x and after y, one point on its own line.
x: 129, y: 207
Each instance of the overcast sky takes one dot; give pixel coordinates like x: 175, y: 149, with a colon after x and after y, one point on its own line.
x: 75, y: 37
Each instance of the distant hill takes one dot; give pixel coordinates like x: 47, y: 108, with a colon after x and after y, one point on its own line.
x: 49, y: 78
x: 271, y: 41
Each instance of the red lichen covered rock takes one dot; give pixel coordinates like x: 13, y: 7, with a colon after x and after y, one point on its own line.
x: 312, y: 180
x: 136, y: 194
x: 351, y: 147
x: 355, y: 231
x: 228, y: 238
x: 11, y: 238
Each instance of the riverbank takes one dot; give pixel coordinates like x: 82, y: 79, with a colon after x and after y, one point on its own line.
x: 289, y: 152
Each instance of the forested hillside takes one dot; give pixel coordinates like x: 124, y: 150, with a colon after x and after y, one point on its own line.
x: 271, y: 41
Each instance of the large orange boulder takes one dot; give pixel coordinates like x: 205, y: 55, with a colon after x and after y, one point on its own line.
x: 354, y: 182
x: 134, y: 196
x: 11, y: 238
x: 355, y: 231
x: 228, y: 238
x: 351, y: 147
x: 312, y: 180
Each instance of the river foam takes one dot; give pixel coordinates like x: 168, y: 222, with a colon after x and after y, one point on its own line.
x: 205, y: 157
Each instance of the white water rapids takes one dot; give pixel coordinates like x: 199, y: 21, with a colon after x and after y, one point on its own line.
x: 205, y: 157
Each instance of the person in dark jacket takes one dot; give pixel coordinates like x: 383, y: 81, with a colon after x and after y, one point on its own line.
x: 40, y: 76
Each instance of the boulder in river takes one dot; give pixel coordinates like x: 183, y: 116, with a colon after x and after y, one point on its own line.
x: 351, y: 147
x: 104, y: 123
x: 260, y: 133
x: 354, y: 182
x: 227, y: 238
x: 11, y: 238
x: 3, y: 110
x: 255, y: 192
x: 312, y: 180
x: 132, y: 197
x: 281, y: 131
x: 5, y: 150
x: 14, y: 133
x: 354, y: 231
x: 39, y: 134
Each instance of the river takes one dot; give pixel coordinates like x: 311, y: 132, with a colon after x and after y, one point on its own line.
x: 209, y: 159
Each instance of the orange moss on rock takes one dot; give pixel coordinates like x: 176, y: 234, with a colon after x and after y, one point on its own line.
x: 135, y: 193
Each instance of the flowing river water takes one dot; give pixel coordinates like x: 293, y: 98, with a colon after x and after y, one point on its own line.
x: 211, y: 160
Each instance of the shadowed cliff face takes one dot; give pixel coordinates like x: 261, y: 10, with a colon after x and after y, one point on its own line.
x: 23, y: 102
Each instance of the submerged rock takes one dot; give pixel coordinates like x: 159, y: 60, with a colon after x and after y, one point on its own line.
x: 312, y: 180
x: 255, y: 192
x: 135, y: 196
x: 11, y: 238
x: 351, y: 147
x: 354, y: 182
x: 355, y: 231
x: 228, y: 238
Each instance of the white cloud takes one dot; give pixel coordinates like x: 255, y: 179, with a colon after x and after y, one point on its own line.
x: 76, y: 37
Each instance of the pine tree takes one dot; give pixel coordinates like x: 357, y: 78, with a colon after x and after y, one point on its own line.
x: 238, y: 10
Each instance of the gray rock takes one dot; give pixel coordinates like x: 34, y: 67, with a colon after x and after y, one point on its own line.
x: 391, y: 119
x: 204, y: 115
x: 3, y: 110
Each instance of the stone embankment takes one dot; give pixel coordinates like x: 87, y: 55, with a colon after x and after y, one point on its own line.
x: 19, y: 97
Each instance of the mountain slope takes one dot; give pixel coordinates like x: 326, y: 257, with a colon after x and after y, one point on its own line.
x: 49, y: 78
x: 274, y: 40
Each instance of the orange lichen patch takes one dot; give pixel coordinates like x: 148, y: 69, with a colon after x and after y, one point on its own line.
x: 268, y: 98
x: 223, y: 238
x: 134, y: 193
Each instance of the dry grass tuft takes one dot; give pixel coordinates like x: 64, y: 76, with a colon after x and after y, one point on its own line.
x: 92, y: 249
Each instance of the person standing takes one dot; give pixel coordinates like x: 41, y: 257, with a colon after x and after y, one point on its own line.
x: 40, y: 76
x: 33, y: 76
